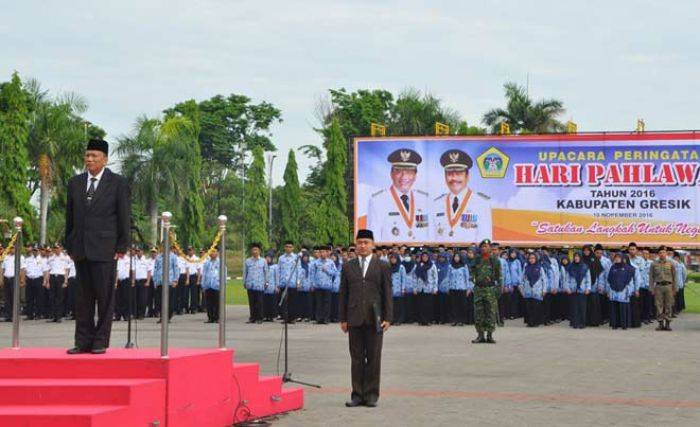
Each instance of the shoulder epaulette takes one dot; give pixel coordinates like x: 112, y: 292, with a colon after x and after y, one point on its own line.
x: 378, y: 193
x: 439, y: 197
x: 483, y: 195
x: 422, y: 192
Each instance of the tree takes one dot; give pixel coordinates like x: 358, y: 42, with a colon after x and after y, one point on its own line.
x: 57, y: 137
x: 256, y: 200
x: 334, y: 200
x: 154, y: 162
x: 290, y: 202
x: 14, y: 159
x: 525, y: 116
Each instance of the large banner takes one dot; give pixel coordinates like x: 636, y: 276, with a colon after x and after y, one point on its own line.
x: 530, y: 190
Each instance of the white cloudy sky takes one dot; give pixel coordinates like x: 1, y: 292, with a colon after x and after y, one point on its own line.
x: 609, y: 61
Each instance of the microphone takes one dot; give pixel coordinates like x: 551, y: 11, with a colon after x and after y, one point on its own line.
x: 377, y: 318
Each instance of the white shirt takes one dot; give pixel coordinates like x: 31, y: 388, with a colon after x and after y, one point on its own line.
x: 140, y: 268
x: 58, y: 264
x: 367, y: 259
x: 71, y: 270
x: 8, y: 264
x: 182, y: 265
x: 36, y: 266
x: 150, y: 263
x: 192, y: 265
x: 98, y: 177
x: 123, y: 268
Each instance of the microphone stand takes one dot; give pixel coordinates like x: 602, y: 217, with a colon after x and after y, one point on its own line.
x: 284, y: 302
x: 132, y: 284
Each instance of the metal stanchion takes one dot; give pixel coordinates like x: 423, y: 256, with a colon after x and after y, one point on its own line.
x: 165, y: 288
x: 15, y: 294
x: 222, y: 282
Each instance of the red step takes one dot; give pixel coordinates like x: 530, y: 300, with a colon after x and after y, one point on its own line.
x: 65, y: 415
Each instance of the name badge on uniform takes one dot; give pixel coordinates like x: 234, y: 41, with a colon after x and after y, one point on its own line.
x: 394, y: 213
x: 421, y: 221
x: 469, y: 220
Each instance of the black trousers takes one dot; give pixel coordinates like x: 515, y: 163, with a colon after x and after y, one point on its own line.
x: 425, y: 308
x: 444, y: 314
x: 534, y: 312
x: 194, y: 294
x: 95, y: 285
x: 255, y: 304
x: 158, y: 293
x: 150, y: 299
x: 69, y: 298
x: 458, y: 306
x: 303, y: 305
x: 291, y: 304
x: 547, y: 308
x: 335, y: 302
x: 45, y: 303
x: 323, y: 305
x: 409, y: 307
x: 269, y: 306
x: 620, y: 316
x: 646, y: 305
x: 33, y: 296
x: 8, y: 293
x: 121, y: 300
x: 181, y: 294
x: 593, y: 310
x: 56, y: 292
x: 140, y: 298
x: 366, y: 359
x: 398, y: 311
x: 212, y: 301
x: 679, y: 303
x: 635, y: 312
x: 577, y: 315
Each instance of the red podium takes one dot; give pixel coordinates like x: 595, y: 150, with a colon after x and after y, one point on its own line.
x: 191, y: 387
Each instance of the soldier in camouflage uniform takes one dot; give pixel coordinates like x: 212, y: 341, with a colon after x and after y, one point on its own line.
x: 486, y: 273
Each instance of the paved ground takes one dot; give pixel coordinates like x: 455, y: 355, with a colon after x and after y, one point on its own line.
x: 431, y: 376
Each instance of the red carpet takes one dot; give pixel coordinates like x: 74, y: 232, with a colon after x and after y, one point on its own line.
x: 192, y: 387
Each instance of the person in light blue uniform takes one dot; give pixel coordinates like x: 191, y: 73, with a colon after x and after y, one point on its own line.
x: 514, y: 269
x: 323, y: 274
x: 304, y: 292
x: 533, y: 286
x: 442, y: 300
x: 211, y: 286
x: 460, y: 288
x: 335, y: 290
x: 289, y: 279
x: 641, y: 281
x: 563, y: 298
x: 174, y: 275
x: 577, y: 287
x: 255, y: 278
x: 271, y: 288
x: 551, y: 268
x: 646, y: 299
x: 681, y: 277
x: 601, y: 283
x: 398, y: 280
x: 426, y: 287
x: 410, y: 299
x: 620, y: 287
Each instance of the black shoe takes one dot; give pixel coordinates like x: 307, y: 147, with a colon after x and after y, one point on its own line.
x: 98, y: 350
x: 371, y: 404
x: 490, y: 340
x: 353, y: 403
x: 660, y: 327
x: 78, y: 350
x: 29, y: 318
x: 250, y: 321
x: 57, y: 320
x: 258, y: 322
x: 479, y: 340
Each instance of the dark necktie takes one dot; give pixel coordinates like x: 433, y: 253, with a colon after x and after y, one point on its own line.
x: 404, y: 199
x: 91, y: 190
x: 455, y: 205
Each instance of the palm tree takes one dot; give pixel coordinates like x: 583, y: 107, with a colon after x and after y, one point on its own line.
x: 56, y: 141
x: 415, y: 113
x: 154, y: 161
x: 525, y: 116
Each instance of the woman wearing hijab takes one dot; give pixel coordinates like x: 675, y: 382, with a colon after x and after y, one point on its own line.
x: 533, y: 287
x: 460, y: 288
x: 442, y: 316
x: 271, y: 288
x: 595, y: 268
x: 426, y: 286
x: 577, y: 287
x: 515, y: 270
x: 398, y: 279
x: 409, y: 298
x: 304, y: 292
x: 620, y: 287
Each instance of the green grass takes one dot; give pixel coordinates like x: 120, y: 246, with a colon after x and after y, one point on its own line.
x: 692, y: 297
x: 235, y: 294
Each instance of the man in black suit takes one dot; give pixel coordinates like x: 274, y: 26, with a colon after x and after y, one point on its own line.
x: 365, y: 310
x: 97, y: 231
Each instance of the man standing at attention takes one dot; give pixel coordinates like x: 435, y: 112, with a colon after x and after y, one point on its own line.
x: 97, y: 230
x: 365, y: 312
